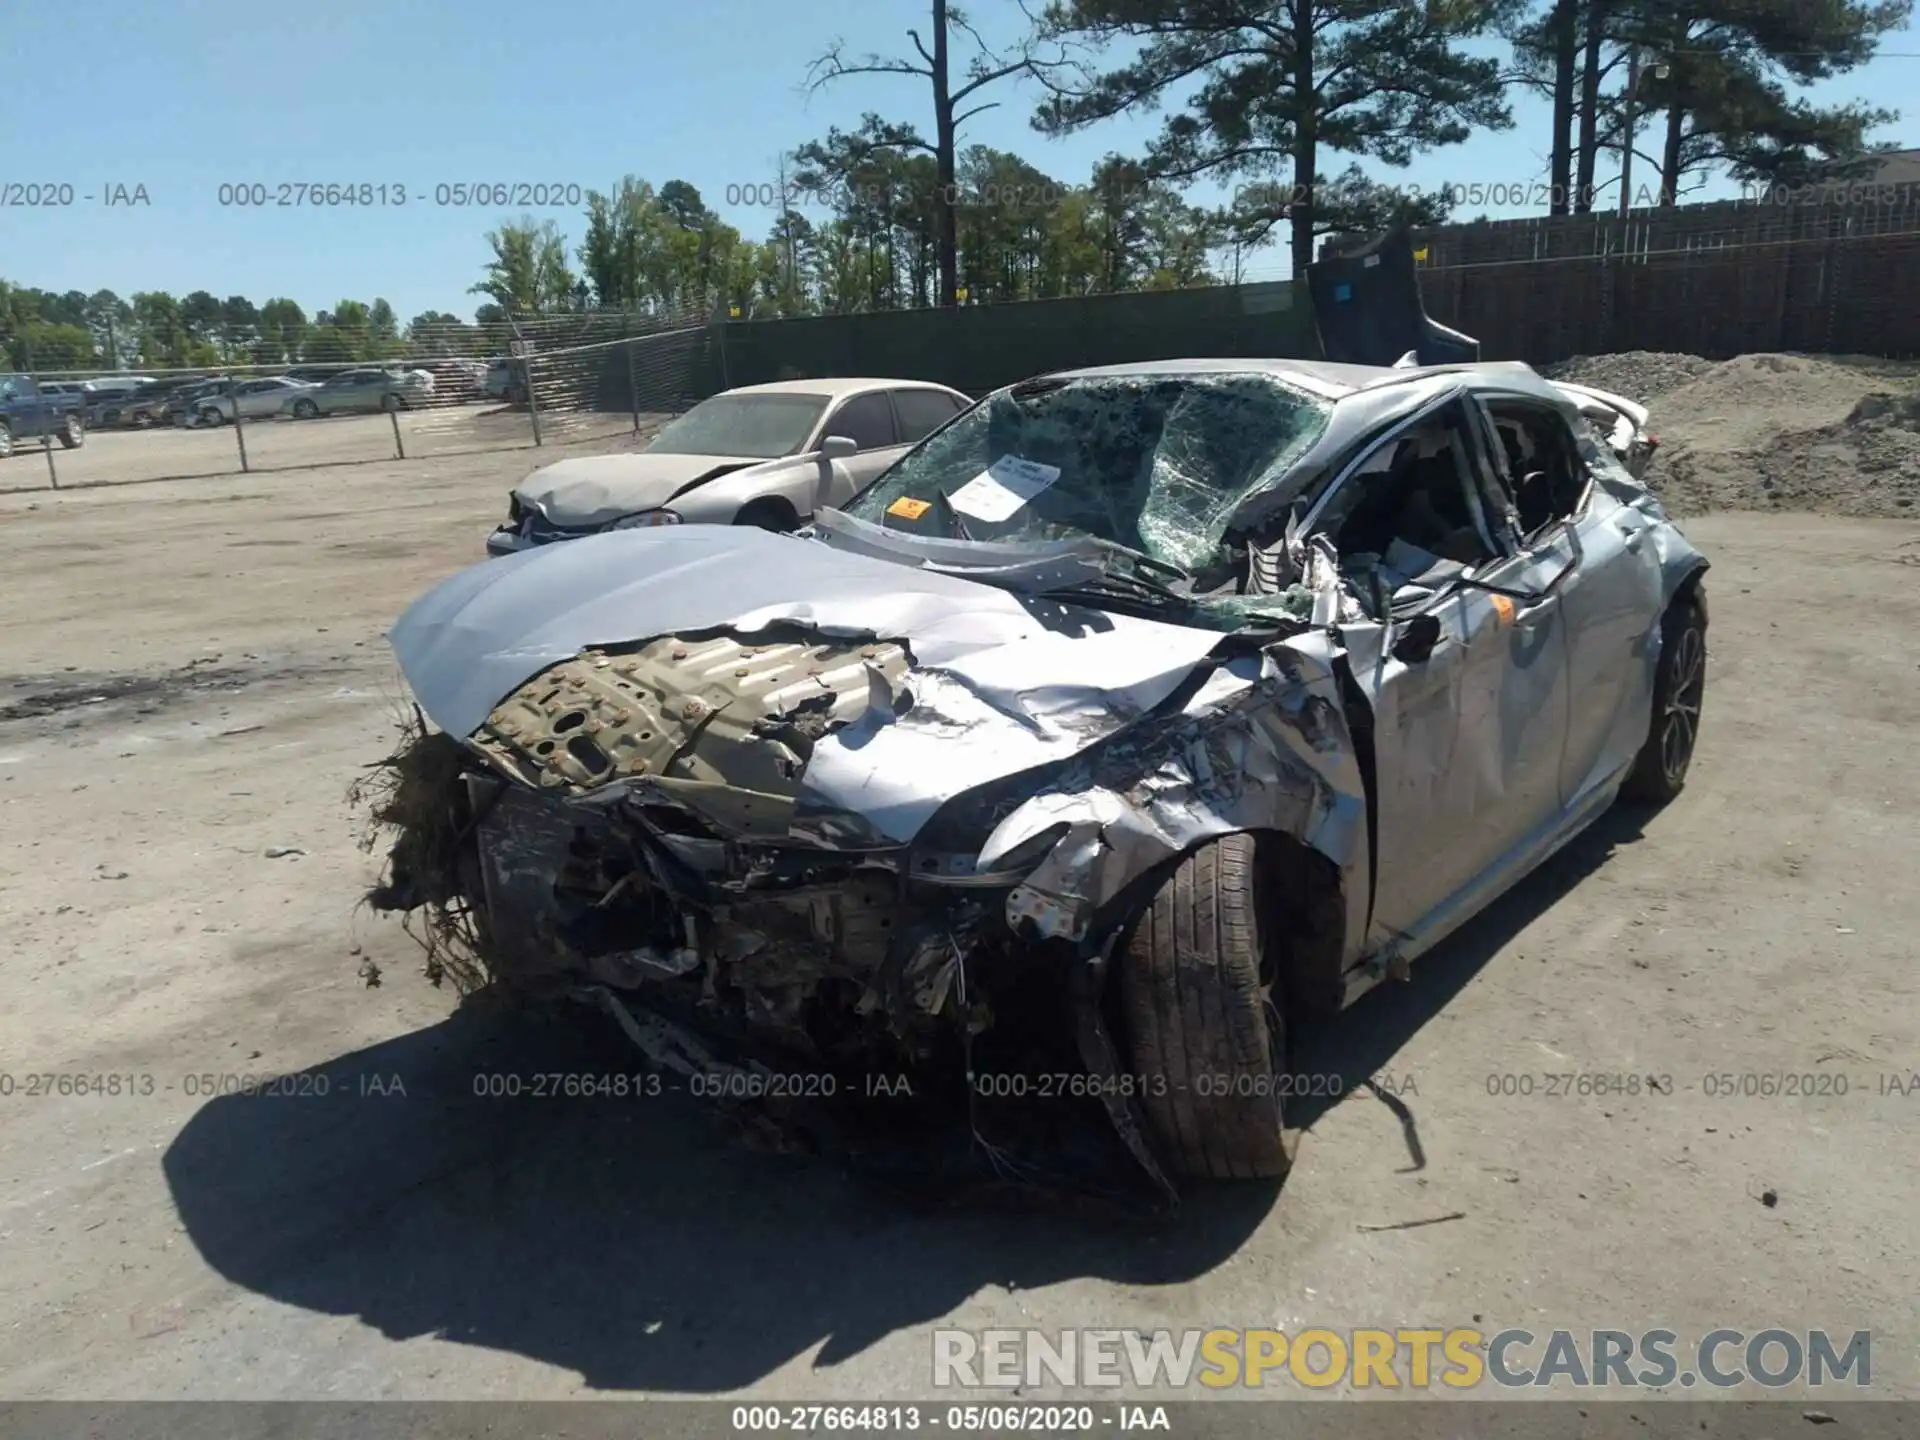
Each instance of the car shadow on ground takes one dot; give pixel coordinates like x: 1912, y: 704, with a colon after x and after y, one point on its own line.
x: 1334, y: 1063
x: 638, y: 1243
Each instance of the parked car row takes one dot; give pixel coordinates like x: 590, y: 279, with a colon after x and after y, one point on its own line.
x: 144, y: 401
x: 364, y: 391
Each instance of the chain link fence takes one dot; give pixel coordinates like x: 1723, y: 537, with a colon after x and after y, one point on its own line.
x: 631, y: 384
x: 589, y: 379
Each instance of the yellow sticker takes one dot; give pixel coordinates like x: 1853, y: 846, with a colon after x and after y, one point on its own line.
x: 1503, y: 607
x: 908, y: 508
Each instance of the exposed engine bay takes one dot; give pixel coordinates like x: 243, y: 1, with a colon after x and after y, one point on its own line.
x: 777, y: 973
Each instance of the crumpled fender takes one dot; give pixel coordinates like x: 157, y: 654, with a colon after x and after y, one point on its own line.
x: 1262, y: 745
x: 1679, y: 561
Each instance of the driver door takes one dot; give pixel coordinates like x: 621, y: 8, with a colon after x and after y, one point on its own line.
x: 1468, y: 734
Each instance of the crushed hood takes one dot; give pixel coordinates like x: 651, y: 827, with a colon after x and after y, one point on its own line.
x: 595, y: 489
x: 996, y: 686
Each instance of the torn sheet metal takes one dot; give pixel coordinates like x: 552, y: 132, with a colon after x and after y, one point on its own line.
x: 995, y: 712
x: 1263, y: 745
x: 1028, y: 690
x: 1678, y: 559
x: 480, y: 634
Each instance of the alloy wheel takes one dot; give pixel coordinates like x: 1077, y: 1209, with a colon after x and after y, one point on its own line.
x: 1680, y: 725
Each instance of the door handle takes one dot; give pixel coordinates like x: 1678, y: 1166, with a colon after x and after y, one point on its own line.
x: 1632, y: 536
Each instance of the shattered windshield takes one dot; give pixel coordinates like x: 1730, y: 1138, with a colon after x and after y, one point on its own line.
x: 1157, y: 463
x: 762, y: 427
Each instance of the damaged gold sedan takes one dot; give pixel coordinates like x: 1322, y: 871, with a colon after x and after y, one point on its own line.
x: 1147, y: 713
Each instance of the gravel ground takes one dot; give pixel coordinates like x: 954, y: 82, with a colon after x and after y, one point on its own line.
x: 1839, y: 436
x: 193, y: 674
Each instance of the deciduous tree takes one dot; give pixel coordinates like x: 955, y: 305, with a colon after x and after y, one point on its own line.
x: 953, y: 104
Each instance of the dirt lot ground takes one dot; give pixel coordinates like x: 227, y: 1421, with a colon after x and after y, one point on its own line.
x: 191, y: 675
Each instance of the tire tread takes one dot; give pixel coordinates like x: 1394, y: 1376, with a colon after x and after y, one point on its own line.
x: 1195, y: 1005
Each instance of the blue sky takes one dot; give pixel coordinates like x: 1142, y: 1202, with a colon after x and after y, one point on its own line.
x: 183, y: 96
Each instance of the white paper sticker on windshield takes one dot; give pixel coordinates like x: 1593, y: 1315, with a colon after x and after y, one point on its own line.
x: 1002, y: 488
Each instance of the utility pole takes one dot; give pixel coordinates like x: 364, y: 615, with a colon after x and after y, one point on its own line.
x: 1626, y: 124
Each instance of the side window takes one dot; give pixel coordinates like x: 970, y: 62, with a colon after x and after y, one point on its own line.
x: 921, y: 412
x: 1543, y: 462
x: 867, y: 420
x: 1414, y: 489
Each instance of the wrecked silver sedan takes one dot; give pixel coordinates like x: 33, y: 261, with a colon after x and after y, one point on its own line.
x: 1159, y: 709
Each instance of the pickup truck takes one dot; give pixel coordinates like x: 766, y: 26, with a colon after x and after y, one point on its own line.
x: 27, y: 414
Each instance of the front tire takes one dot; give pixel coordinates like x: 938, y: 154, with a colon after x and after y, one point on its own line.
x: 6, y: 440
x: 1679, y: 686
x: 305, y: 409
x: 1203, y: 1020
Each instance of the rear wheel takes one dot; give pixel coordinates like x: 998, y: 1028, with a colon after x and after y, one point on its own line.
x: 1203, y: 1020
x: 305, y: 409
x: 1679, y: 686
x: 73, y: 432
x: 6, y: 440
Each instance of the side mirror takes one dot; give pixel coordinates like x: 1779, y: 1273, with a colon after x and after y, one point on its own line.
x: 1416, y: 639
x: 839, y: 447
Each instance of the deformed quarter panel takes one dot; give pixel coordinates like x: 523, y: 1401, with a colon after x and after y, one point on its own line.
x: 1638, y: 560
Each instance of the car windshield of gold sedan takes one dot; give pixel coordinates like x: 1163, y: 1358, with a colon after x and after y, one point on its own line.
x: 759, y: 427
x: 1157, y: 463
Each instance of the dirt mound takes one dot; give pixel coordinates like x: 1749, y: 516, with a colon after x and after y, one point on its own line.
x: 1840, y: 435
x: 1637, y: 374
